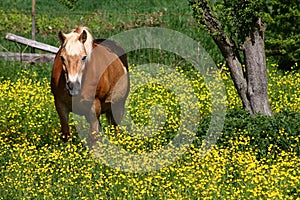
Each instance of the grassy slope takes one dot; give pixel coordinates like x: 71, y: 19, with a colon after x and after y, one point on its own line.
x: 105, y: 18
x: 177, y: 15
x: 114, y: 7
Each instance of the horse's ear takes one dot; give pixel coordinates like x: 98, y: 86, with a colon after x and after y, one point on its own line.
x: 61, y: 37
x: 82, y: 38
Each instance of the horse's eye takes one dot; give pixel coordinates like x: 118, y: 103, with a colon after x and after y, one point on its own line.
x: 83, y: 58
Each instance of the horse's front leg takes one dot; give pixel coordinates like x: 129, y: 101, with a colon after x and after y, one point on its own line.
x: 63, y: 114
x: 93, y: 119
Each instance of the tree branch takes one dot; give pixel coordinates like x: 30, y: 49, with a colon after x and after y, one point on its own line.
x: 228, y: 49
x: 224, y: 42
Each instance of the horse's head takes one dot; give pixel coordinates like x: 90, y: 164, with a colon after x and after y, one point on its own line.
x: 75, y: 49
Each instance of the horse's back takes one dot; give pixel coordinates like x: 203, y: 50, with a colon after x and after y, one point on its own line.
x: 115, y: 48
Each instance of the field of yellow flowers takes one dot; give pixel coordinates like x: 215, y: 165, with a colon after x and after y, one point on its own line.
x: 255, y: 157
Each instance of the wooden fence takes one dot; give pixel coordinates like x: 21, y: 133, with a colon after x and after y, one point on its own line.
x: 29, y: 57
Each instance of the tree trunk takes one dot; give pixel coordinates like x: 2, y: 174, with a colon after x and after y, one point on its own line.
x: 240, y: 83
x: 256, y: 73
x: 236, y: 71
x: 251, y: 82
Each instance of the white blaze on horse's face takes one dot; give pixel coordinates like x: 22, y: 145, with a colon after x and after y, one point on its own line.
x: 73, y: 56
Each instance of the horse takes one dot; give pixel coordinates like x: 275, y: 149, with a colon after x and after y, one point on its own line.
x: 89, y: 77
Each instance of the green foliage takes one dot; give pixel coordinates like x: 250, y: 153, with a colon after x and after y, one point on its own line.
x: 238, y: 17
x: 69, y: 3
x: 280, y: 132
x: 18, y: 22
x: 283, y: 34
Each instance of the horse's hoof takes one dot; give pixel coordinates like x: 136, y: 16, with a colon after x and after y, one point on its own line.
x: 64, y: 138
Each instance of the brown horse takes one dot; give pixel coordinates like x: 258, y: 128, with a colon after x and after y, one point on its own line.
x: 89, y: 77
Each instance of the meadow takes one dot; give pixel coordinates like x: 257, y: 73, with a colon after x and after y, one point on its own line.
x: 254, y: 158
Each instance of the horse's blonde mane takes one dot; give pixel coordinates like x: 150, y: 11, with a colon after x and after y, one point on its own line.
x: 71, y: 41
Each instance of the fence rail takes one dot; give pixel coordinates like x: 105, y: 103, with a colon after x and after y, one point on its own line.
x: 31, y: 43
x: 29, y: 57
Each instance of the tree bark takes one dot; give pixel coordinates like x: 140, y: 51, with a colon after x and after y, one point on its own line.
x: 256, y: 73
x: 238, y: 78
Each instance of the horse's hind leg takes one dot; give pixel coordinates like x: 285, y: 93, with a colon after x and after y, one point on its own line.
x: 110, y: 118
x: 115, y: 114
x: 63, y: 114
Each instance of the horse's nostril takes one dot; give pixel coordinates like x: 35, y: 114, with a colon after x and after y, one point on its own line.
x: 70, y: 85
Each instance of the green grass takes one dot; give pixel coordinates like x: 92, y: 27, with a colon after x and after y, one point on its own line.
x: 110, y: 7
x: 104, y: 18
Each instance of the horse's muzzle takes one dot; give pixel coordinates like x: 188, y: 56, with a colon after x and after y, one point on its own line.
x: 73, y: 88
